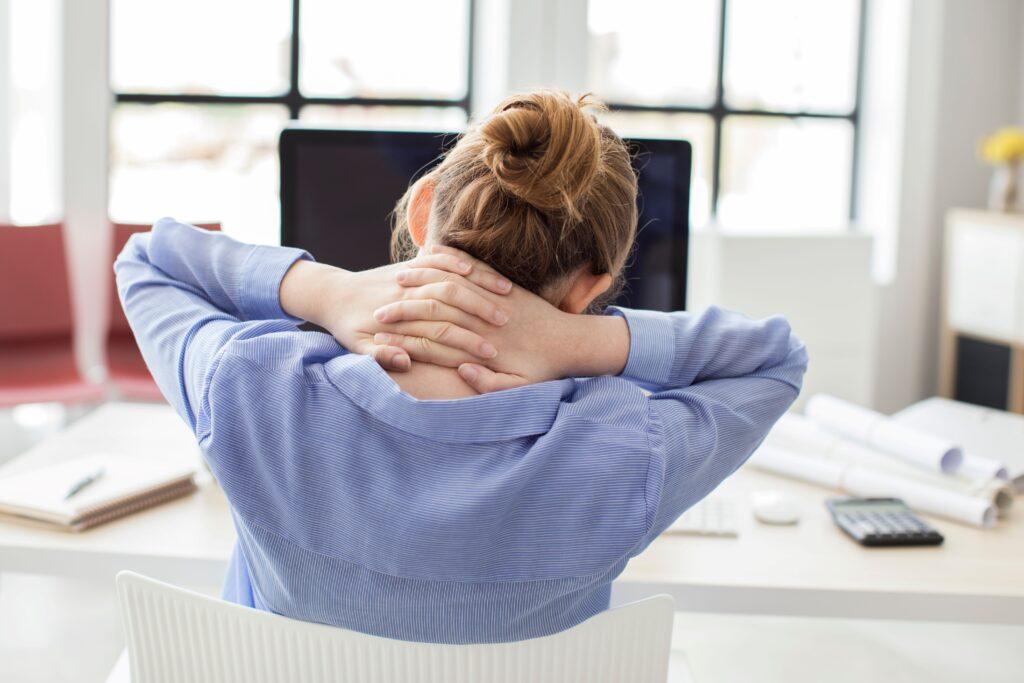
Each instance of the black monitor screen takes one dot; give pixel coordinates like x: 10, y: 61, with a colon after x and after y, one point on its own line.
x: 338, y: 188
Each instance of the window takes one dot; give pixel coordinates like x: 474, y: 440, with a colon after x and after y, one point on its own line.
x: 200, y: 104
x: 35, y: 113
x: 767, y: 93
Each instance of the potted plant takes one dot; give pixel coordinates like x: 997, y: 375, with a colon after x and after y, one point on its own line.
x: 1004, y: 149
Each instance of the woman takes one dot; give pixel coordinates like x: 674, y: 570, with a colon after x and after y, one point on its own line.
x: 418, y: 502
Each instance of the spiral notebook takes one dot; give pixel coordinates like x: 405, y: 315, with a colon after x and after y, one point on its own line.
x: 128, y: 485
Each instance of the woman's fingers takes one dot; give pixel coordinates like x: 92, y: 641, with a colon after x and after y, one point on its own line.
x: 477, y: 264
x: 441, y: 301
x: 389, y: 357
x: 413, y: 310
x: 444, y: 333
x: 461, y: 256
x: 486, y: 380
x: 426, y: 350
x: 420, y: 275
x: 462, y: 298
x: 451, y: 263
x: 442, y: 263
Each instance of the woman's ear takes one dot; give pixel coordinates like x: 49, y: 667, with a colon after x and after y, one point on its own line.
x: 585, y: 288
x: 418, y: 215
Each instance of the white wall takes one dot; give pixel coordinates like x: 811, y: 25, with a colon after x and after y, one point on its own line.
x: 963, y: 73
x: 547, y: 44
x: 87, y: 101
x: 1020, y: 76
x: 5, y: 111
x: 821, y: 283
x: 490, y: 53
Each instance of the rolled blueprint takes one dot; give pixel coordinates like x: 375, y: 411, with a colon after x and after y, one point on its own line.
x: 802, y: 467
x: 880, y: 432
x: 800, y: 434
x: 992, y: 434
x: 868, y: 482
x: 999, y: 491
x: 805, y: 435
x: 978, y: 467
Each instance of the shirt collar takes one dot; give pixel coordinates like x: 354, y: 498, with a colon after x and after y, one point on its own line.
x: 499, y: 416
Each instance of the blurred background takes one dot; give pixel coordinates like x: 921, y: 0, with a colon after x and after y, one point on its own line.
x: 830, y: 138
x: 841, y: 174
x: 197, y: 104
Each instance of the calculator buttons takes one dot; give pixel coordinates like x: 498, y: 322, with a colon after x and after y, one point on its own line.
x: 881, y: 522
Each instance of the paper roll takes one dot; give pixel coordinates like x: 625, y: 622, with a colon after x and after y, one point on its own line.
x: 978, y: 467
x: 878, y: 431
x: 800, y: 434
x: 798, y: 466
x: 868, y: 482
x: 865, y: 482
x: 806, y: 436
x: 1000, y: 492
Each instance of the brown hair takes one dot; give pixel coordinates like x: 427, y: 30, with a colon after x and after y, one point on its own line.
x: 537, y: 189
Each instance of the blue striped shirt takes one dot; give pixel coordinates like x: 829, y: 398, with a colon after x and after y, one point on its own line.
x: 492, y: 518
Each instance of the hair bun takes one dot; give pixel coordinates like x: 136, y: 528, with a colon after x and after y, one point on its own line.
x: 544, y: 149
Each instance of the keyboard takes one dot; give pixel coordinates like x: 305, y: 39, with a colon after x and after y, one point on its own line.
x: 714, y: 516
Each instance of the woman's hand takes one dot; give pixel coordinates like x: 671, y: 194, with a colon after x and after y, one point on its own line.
x: 343, y: 303
x: 539, y: 342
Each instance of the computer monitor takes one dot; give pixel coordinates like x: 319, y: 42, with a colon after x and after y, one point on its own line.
x: 338, y: 188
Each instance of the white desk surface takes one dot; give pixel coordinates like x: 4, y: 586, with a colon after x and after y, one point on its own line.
x: 810, y: 569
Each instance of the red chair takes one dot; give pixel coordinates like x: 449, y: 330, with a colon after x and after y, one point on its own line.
x: 37, y: 358
x: 126, y: 369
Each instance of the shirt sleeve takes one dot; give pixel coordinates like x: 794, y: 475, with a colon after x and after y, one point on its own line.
x: 188, y: 293
x: 718, y: 382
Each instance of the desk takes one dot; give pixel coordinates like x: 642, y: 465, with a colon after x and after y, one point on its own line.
x: 807, y: 570
x: 187, y: 541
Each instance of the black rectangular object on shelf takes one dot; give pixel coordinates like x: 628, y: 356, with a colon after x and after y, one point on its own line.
x: 982, y: 372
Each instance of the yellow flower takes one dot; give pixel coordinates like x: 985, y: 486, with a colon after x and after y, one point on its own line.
x: 1005, y: 146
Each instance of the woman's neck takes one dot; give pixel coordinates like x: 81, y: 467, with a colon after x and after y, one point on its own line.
x: 425, y: 381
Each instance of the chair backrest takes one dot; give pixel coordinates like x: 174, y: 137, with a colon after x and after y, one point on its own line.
x: 120, y: 236
x: 178, y: 635
x: 36, y: 299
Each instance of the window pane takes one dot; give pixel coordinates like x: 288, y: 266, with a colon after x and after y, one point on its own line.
x: 401, y: 118
x: 783, y: 173
x: 791, y: 54
x: 698, y: 129
x: 35, y: 134
x: 198, y: 163
x: 353, y: 48
x: 200, y: 47
x: 654, y: 52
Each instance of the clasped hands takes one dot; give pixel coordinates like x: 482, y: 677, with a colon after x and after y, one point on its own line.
x: 446, y: 308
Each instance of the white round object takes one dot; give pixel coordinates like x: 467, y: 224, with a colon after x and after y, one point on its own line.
x: 774, y: 507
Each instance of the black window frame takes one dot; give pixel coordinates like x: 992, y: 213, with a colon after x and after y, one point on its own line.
x: 293, y: 98
x: 719, y: 110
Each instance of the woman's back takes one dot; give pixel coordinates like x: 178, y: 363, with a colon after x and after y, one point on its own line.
x: 442, y: 521
x: 407, y: 505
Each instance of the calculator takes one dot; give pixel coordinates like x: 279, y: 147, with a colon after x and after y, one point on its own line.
x: 881, y: 522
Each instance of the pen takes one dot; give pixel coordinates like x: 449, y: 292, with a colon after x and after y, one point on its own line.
x: 84, y: 481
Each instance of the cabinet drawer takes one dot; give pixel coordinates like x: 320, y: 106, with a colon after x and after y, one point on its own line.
x: 985, y: 294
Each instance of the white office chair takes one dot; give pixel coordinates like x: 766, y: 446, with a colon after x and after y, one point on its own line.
x: 177, y: 635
